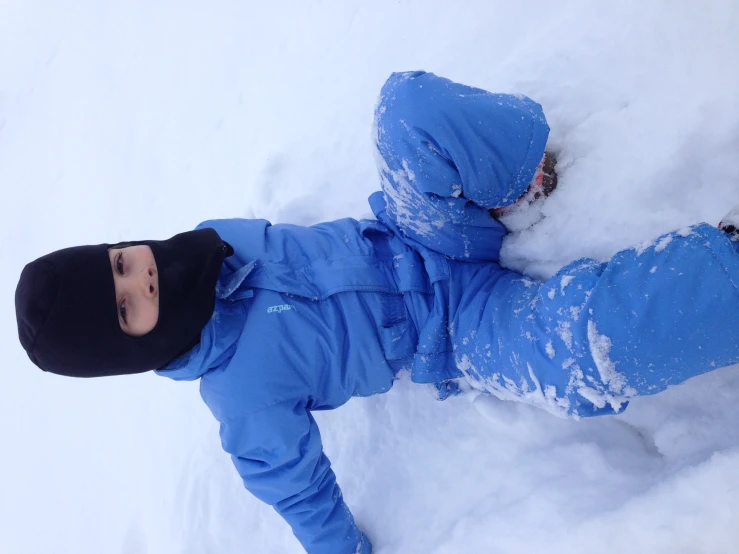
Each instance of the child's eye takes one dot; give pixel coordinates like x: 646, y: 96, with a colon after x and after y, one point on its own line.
x: 122, y: 310
x: 119, y: 264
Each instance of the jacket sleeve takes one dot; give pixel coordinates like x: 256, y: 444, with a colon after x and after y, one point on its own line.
x: 447, y: 153
x: 279, y: 455
x: 453, y: 140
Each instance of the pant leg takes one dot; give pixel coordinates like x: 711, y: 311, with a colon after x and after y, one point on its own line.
x: 446, y: 154
x: 595, y: 335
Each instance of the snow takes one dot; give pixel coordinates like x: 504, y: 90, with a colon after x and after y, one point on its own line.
x: 564, y: 331
x: 566, y: 280
x: 600, y: 348
x: 550, y: 350
x: 139, y: 119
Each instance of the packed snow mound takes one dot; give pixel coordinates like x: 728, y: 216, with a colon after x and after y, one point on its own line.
x: 138, y: 120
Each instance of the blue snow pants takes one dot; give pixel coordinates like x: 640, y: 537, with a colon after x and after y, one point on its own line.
x: 593, y: 336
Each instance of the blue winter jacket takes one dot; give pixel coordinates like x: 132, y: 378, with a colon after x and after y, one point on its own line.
x: 307, y: 317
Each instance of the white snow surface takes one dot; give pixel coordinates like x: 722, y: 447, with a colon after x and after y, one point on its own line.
x: 138, y: 119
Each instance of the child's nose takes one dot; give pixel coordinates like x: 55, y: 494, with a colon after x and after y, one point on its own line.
x: 149, y: 282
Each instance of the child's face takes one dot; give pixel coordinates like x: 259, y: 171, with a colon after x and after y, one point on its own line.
x: 136, y: 288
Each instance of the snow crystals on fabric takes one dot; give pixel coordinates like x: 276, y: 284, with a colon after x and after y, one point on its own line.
x: 405, y: 202
x: 564, y: 331
x: 663, y: 243
x: 600, y: 348
x: 566, y: 280
x: 504, y: 388
x: 550, y: 350
x: 617, y: 392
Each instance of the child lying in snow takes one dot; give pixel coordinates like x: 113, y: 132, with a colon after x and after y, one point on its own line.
x: 281, y: 320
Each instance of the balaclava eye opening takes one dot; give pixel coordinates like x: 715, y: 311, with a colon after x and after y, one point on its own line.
x: 67, y: 313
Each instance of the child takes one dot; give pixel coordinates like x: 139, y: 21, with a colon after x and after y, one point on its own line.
x: 278, y: 321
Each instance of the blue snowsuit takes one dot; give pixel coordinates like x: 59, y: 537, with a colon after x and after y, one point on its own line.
x: 307, y: 317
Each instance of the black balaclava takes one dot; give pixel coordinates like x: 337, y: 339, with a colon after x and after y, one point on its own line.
x: 68, y: 317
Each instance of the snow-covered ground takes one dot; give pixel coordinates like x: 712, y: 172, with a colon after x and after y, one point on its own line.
x: 139, y: 119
